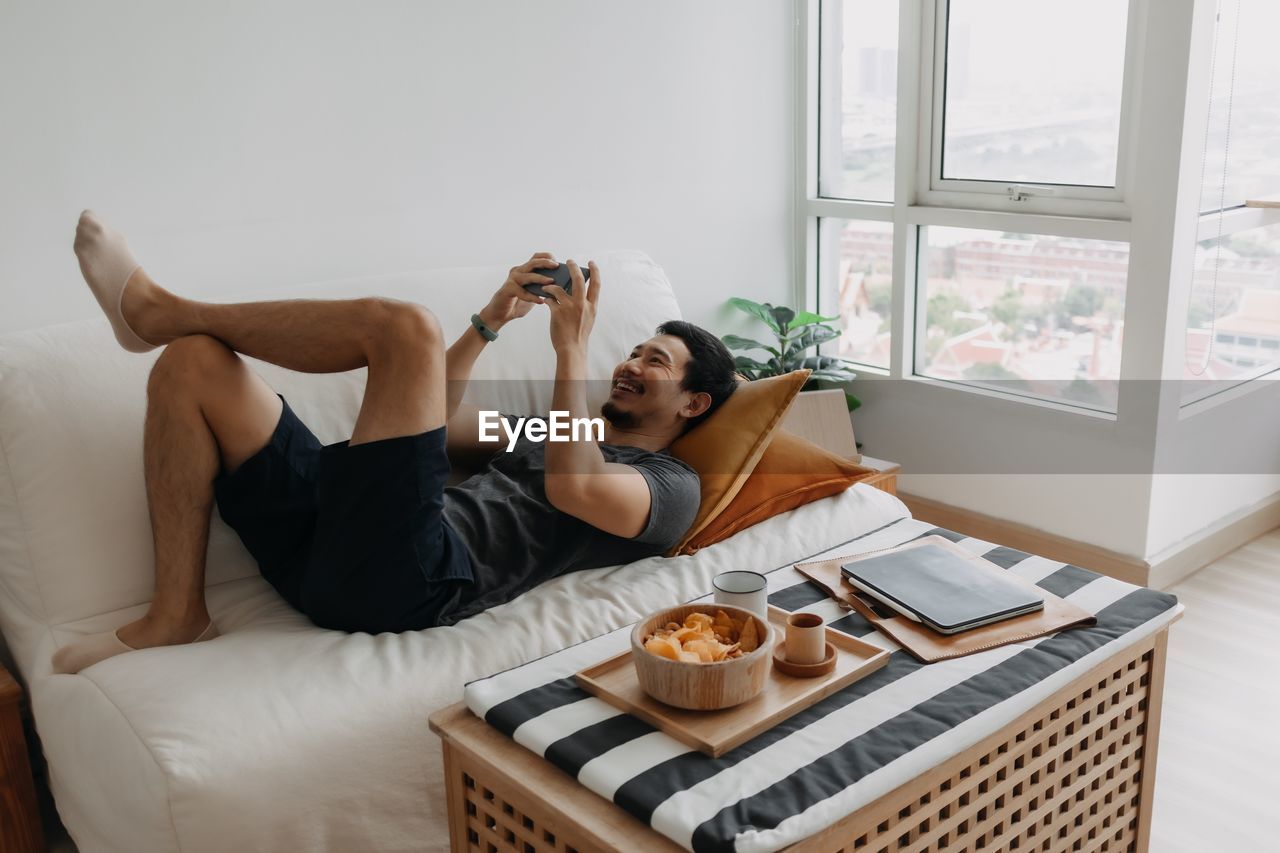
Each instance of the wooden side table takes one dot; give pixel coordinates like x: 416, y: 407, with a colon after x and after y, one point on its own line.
x: 886, y: 477
x: 823, y: 418
x: 1076, y: 772
x: 20, y: 830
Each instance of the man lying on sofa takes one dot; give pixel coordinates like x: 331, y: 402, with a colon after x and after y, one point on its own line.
x: 362, y: 535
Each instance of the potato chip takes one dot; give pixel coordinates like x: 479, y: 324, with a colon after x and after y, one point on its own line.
x: 704, y: 638
x: 697, y: 620
x: 663, y: 647
x: 704, y: 649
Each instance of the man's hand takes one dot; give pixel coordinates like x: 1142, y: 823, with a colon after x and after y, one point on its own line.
x: 573, y: 315
x: 512, y: 300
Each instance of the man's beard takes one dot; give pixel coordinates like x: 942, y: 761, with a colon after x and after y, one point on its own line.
x: 617, y: 417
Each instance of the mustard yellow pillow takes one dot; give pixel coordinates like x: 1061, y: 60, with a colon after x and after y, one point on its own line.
x: 791, y: 473
x: 725, y: 448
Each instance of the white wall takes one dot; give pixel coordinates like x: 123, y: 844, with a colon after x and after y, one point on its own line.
x: 1218, y: 462
x: 254, y: 144
x: 1071, y: 475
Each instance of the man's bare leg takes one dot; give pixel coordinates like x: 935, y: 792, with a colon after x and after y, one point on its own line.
x: 206, y: 410
x: 405, y: 395
x: 225, y: 421
x: 400, y: 342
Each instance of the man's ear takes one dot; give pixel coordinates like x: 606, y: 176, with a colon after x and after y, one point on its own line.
x: 698, y: 403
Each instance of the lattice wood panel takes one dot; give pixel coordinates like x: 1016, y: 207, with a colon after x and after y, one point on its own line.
x: 1069, y: 781
x: 493, y: 824
x: 1069, y: 777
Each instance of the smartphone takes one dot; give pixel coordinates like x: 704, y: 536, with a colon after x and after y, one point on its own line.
x: 560, y: 275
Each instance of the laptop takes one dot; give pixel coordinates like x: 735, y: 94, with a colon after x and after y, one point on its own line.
x: 943, y: 590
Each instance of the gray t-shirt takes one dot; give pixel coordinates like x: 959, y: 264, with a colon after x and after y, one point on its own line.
x: 517, y: 539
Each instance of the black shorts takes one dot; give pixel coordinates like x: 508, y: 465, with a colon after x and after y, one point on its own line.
x: 354, y: 537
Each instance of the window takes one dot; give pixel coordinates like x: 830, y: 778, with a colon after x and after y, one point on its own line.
x: 967, y: 186
x: 857, y: 263
x: 1028, y: 314
x: 1233, y: 313
x: 859, y: 91
x: 1242, y: 160
x: 966, y: 165
x: 1235, y: 303
x: 1031, y: 314
x: 1022, y: 102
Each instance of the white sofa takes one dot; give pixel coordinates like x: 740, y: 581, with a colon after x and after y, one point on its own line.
x: 279, y: 735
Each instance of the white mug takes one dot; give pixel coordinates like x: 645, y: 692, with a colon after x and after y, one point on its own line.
x: 748, y: 590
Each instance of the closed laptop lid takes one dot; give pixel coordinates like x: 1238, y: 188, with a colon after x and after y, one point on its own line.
x: 941, y: 587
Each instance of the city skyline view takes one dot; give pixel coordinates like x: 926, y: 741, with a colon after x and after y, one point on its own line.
x: 1024, y: 309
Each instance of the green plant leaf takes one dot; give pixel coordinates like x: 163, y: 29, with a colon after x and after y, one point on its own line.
x: 744, y: 364
x: 791, y: 358
x: 823, y: 362
x: 782, y: 316
x: 837, y: 376
x: 808, y: 318
x: 763, y: 313
x: 811, y: 336
x: 851, y: 401
x: 738, y: 342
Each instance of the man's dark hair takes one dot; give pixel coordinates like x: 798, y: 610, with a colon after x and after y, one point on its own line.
x: 710, y: 368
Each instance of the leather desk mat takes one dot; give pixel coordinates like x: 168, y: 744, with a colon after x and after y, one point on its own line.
x: 928, y: 645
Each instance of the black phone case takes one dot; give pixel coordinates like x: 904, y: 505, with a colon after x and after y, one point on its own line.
x: 561, y: 277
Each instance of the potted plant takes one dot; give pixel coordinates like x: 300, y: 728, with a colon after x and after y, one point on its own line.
x: 795, y: 333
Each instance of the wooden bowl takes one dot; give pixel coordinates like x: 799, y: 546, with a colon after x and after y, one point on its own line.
x: 701, y: 686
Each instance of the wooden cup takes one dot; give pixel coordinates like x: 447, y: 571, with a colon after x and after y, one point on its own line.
x: 806, y: 641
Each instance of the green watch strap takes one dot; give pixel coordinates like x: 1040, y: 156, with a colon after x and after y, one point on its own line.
x: 485, y: 332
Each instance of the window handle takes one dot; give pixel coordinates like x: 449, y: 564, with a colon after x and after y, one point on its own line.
x: 1022, y: 192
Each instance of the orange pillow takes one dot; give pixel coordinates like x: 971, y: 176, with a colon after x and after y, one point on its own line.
x: 725, y: 448
x: 791, y: 473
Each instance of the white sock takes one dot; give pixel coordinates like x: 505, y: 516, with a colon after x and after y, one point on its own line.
x: 107, y: 263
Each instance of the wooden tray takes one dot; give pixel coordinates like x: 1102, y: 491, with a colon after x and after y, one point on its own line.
x: 717, y: 732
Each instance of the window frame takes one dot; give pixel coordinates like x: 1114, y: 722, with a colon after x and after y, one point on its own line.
x: 1211, y: 226
x: 1155, y: 340
x: 908, y: 212
x: 1066, y: 199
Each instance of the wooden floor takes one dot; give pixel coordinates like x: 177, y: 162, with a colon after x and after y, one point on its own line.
x: 1217, y: 785
x: 1219, y: 760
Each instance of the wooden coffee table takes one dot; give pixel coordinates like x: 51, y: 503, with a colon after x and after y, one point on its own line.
x: 1076, y: 772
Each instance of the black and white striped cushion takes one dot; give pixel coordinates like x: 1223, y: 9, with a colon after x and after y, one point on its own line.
x: 836, y: 756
